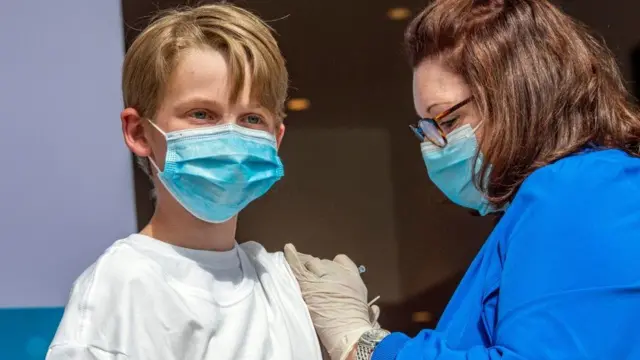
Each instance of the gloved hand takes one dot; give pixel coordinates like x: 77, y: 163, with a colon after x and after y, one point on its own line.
x: 337, y: 300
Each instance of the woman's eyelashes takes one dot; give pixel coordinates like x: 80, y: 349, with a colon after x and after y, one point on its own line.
x: 449, y: 123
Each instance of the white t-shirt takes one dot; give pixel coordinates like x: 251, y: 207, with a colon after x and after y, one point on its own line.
x: 146, y: 299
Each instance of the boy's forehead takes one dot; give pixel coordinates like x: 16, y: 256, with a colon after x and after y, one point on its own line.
x: 198, y: 71
x: 204, y: 75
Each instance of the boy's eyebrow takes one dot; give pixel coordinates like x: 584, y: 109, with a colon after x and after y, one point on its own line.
x: 199, y: 100
x: 256, y: 106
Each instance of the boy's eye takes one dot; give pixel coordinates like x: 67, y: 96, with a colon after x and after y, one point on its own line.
x: 253, y: 119
x: 200, y: 114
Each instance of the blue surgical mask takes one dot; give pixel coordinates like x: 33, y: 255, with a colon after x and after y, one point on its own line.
x: 452, y: 169
x: 215, y: 172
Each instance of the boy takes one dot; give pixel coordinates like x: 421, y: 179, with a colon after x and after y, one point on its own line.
x: 204, y: 90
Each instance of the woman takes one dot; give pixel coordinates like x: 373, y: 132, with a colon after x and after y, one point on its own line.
x: 522, y: 91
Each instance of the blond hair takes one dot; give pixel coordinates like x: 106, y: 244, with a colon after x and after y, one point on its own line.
x: 245, y: 40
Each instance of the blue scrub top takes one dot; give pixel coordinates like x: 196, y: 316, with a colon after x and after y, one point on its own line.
x: 559, y: 277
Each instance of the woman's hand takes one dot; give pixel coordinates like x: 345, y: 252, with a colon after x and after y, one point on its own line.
x: 336, y: 297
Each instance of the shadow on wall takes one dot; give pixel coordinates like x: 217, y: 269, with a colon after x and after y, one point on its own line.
x: 421, y: 311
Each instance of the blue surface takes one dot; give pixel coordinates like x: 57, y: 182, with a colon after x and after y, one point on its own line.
x: 26, y: 333
x: 559, y: 277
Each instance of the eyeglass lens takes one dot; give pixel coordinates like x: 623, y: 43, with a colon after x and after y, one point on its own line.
x: 431, y: 132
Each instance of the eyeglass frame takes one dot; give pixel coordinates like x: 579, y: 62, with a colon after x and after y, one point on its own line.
x: 417, y: 129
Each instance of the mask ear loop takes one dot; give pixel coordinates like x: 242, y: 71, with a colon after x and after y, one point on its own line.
x: 478, y: 126
x: 151, y: 161
x: 478, y: 157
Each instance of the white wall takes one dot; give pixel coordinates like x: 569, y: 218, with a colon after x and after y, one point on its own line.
x: 66, y: 189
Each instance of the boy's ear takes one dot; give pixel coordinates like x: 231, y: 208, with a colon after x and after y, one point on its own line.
x: 133, y: 132
x: 279, y: 135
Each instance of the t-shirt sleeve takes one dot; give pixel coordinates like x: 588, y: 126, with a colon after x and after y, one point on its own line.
x: 82, y: 352
x: 277, y: 260
x: 114, y: 311
x: 570, y: 287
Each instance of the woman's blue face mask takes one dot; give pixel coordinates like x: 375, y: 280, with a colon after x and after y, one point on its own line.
x: 453, y: 167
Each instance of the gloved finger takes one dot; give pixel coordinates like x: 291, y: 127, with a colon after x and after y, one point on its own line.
x: 296, y: 260
x: 317, y: 267
x: 374, y: 313
x: 345, y: 261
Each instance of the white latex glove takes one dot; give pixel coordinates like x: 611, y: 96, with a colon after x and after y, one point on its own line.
x: 337, y: 300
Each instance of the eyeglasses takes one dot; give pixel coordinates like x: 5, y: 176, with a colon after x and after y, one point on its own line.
x: 430, y: 129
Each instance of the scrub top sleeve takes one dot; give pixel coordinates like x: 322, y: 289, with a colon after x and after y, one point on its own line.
x: 389, y: 347
x: 430, y: 345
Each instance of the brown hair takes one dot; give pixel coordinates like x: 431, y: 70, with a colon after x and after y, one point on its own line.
x: 245, y: 40
x: 543, y: 85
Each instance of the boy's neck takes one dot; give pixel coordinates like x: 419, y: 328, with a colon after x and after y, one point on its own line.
x: 172, y: 224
